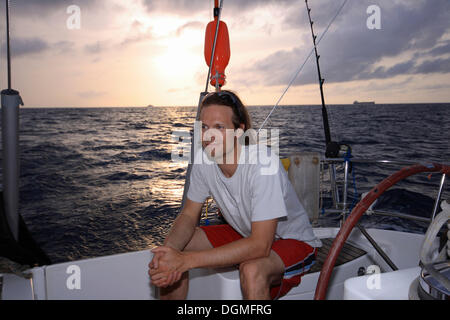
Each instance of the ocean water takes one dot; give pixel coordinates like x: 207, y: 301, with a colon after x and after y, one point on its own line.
x: 100, y: 181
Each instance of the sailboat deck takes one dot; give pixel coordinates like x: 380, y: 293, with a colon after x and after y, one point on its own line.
x: 347, y: 254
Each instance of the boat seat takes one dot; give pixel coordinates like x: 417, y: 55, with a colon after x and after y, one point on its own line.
x: 348, y: 253
x: 224, y: 284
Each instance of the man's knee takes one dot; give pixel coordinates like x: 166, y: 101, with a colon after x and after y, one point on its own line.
x: 251, y: 273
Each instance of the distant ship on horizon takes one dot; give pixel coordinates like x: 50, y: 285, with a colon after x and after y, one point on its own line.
x: 363, y: 102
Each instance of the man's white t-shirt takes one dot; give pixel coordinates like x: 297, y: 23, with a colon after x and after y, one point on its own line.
x: 259, y: 190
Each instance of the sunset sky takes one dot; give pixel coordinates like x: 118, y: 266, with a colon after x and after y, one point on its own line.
x: 140, y: 52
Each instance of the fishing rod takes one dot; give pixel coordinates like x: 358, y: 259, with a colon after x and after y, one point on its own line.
x: 332, y: 147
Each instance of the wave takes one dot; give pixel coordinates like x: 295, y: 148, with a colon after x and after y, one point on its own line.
x: 104, y: 177
x: 125, y: 176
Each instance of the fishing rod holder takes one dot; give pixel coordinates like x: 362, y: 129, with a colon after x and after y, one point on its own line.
x: 339, y: 187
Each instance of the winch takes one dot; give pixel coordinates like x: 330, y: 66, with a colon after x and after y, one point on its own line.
x: 434, y: 280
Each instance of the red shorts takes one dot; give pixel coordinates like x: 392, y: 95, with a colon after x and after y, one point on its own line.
x: 297, y: 256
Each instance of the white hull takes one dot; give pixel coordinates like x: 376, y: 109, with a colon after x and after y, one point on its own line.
x: 124, y: 276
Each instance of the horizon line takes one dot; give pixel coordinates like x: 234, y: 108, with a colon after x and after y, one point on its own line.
x: 250, y: 105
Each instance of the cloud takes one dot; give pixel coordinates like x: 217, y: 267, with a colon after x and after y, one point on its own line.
x: 95, y: 48
x: 387, y: 72
x: 187, y: 7
x: 138, y: 33
x: 63, y: 47
x: 137, y: 38
x: 26, y: 46
x: 434, y: 66
x: 190, y: 25
x: 21, y: 47
x: 91, y: 94
x: 350, y: 51
x: 178, y: 6
x: 440, y: 49
x: 44, y: 7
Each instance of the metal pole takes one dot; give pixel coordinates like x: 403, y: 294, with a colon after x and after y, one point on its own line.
x: 344, y: 200
x: 377, y: 247
x: 8, y: 50
x: 438, y: 198
x: 214, y: 47
x: 334, y: 187
x: 194, y: 143
x: 10, y: 101
x: 202, y: 95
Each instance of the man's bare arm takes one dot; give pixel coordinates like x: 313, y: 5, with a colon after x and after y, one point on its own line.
x: 184, y: 225
x: 258, y: 245
x: 175, y: 262
x: 182, y: 229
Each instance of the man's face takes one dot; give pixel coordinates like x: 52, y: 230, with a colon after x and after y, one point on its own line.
x: 218, y: 133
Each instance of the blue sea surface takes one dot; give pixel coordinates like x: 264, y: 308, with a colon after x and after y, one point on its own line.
x: 100, y: 181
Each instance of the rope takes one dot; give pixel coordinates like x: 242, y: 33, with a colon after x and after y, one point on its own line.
x: 322, y: 179
x: 301, y: 67
x: 206, y: 213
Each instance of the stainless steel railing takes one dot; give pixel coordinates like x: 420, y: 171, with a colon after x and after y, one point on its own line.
x: 341, y: 206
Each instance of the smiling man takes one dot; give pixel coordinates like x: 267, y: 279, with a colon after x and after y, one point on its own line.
x: 268, y: 234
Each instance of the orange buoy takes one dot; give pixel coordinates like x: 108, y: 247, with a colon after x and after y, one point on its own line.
x: 221, y: 53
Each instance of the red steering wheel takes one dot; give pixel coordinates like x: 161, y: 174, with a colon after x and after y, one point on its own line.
x: 358, y: 211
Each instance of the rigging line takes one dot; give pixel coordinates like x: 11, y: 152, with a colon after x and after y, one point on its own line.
x: 214, y: 45
x: 301, y: 67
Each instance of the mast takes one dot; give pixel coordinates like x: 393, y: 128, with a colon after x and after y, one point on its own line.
x: 8, y: 50
x: 197, y: 131
x: 332, y: 148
